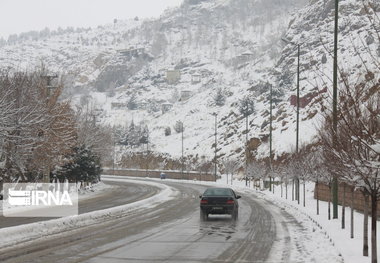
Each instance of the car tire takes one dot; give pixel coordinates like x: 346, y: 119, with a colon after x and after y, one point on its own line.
x: 235, y: 215
x: 203, y: 216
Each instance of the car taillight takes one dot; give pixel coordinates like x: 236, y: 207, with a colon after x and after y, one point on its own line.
x: 230, y: 202
x: 204, y: 202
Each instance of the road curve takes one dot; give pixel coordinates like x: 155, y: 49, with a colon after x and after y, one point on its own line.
x: 170, y: 232
x: 121, y: 193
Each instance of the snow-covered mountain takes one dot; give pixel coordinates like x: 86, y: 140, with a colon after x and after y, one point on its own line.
x: 174, y: 66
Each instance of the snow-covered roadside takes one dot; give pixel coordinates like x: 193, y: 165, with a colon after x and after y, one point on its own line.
x: 318, y: 227
x: 324, y: 238
x: 299, y: 239
x: 17, y: 234
x: 351, y: 249
x: 88, y: 192
x: 93, y: 190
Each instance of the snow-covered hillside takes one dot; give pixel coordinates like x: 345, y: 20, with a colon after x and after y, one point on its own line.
x: 233, y: 45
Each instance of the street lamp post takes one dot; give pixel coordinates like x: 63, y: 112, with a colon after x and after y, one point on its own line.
x: 297, y: 186
x: 147, y: 155
x: 215, y: 115
x: 182, y: 128
x: 246, y: 145
x: 114, y: 150
x: 298, y: 116
x: 270, y: 139
x: 335, y: 100
x: 49, y: 87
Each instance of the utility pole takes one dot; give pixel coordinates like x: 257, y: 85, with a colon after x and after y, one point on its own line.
x: 335, y: 101
x: 215, y: 143
x: 49, y: 87
x: 114, y: 150
x: 182, y: 128
x: 147, y: 154
x: 298, y: 119
x: 296, y: 184
x: 270, y: 139
x: 246, y: 145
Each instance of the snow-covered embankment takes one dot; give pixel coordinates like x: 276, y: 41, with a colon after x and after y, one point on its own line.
x: 23, y: 233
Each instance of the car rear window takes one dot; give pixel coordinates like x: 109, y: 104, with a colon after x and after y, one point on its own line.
x: 217, y: 192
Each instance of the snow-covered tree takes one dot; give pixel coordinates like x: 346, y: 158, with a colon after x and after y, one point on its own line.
x: 84, y: 166
x: 247, y: 106
x: 134, y: 133
x: 144, y: 135
x: 353, y: 151
x: 204, y: 165
x: 95, y: 137
x: 153, y: 106
x: 230, y: 165
x: 256, y: 170
x: 219, y: 97
x: 132, y: 102
x: 178, y: 127
x: 168, y: 131
x: 35, y: 128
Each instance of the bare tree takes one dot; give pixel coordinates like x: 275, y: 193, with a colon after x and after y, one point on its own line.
x: 356, y: 147
x: 204, y: 166
x: 89, y: 133
x: 295, y: 170
x: 230, y: 165
x: 256, y: 170
x: 36, y: 129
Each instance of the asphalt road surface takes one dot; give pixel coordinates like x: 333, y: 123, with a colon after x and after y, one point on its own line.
x: 170, y: 232
x: 121, y: 193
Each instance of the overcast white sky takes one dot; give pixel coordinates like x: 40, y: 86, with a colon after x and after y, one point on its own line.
x: 18, y: 16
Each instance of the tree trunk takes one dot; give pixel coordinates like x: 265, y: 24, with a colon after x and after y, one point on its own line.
x: 298, y: 190
x: 352, y: 211
x: 344, y: 207
x: 293, y: 190
x: 286, y: 190
x: 329, y: 204
x: 373, y: 228
x: 365, y: 226
x: 304, y: 194
x: 317, y: 193
x: 270, y: 184
x: 281, y: 189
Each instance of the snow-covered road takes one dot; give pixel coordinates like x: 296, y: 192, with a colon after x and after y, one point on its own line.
x: 171, y: 231
x: 109, y: 194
